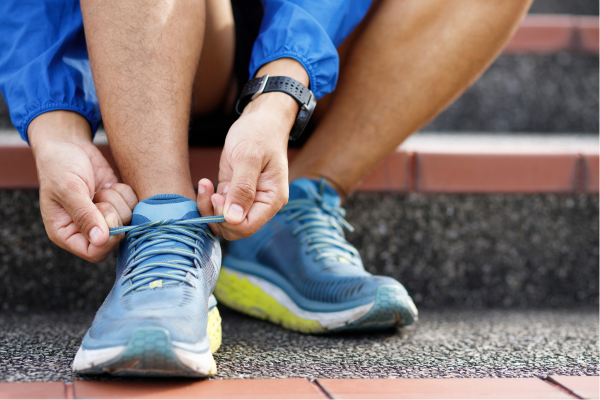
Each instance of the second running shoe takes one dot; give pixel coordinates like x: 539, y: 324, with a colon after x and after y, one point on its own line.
x: 160, y: 318
x: 299, y: 271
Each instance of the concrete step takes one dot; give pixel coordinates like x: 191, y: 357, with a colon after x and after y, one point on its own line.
x: 425, y: 163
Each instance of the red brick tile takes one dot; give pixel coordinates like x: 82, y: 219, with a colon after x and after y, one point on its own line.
x: 461, y: 388
x: 588, y: 29
x: 208, y: 389
x: 391, y: 175
x: 398, y: 171
x: 17, y: 167
x: 204, y: 163
x: 495, y: 173
x: 591, y: 173
x: 587, y: 387
x: 69, y: 391
x: 376, y: 181
x: 542, y: 34
x: 32, y: 390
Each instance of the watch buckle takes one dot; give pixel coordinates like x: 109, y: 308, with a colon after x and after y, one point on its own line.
x: 263, y: 84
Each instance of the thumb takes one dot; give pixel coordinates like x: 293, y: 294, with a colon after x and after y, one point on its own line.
x: 86, y: 216
x: 242, y: 189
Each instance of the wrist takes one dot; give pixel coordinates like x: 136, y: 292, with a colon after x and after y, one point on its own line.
x: 58, y: 126
x: 277, y: 106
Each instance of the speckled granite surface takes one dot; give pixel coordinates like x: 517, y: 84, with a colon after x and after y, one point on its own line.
x: 482, y: 250
x: 448, y: 343
x: 448, y: 250
x: 529, y: 93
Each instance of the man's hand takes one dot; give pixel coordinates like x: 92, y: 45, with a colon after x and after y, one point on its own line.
x: 80, y: 197
x: 253, y: 172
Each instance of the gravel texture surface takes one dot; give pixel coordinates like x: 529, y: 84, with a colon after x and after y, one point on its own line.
x: 450, y: 343
x: 482, y: 250
x: 529, y: 93
x: 464, y: 250
x: 577, y: 7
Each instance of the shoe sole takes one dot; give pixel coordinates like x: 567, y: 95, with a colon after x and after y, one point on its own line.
x: 150, y: 353
x: 259, y: 298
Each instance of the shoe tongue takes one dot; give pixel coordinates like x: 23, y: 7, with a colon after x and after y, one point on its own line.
x: 305, y: 188
x: 159, y: 208
x: 163, y: 207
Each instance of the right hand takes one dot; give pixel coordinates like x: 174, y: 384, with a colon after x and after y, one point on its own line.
x: 80, y: 197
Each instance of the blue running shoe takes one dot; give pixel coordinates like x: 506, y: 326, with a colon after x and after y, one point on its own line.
x: 299, y: 271
x: 160, y: 318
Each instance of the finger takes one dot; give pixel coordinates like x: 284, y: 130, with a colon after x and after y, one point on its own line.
x: 126, y: 192
x: 71, y: 239
x: 227, y: 230
x: 218, y: 201
x: 205, y: 206
x: 259, y: 214
x: 242, y: 189
x: 111, y: 216
x: 75, y: 199
x: 114, y: 198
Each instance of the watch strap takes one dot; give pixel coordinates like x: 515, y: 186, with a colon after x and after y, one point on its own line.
x: 266, y: 84
x: 283, y: 84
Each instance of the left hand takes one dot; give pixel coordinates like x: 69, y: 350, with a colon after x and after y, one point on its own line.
x: 253, y: 172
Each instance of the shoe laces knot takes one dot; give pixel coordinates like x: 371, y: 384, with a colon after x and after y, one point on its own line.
x: 323, y: 226
x: 146, y: 240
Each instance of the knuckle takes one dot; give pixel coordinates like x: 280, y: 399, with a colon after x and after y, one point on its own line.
x: 126, y: 193
x: 244, y: 190
x: 102, y: 196
x: 70, y: 186
x: 106, y: 208
x: 82, y: 217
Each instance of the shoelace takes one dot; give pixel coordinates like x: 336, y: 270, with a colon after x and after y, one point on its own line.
x: 320, y: 219
x: 152, y: 234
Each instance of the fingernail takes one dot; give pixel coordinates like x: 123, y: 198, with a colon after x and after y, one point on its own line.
x: 112, y: 221
x: 236, y: 212
x: 107, y: 185
x: 226, y: 189
x: 201, y: 189
x: 95, y: 234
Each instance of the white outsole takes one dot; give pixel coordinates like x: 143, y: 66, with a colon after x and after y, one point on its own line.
x: 201, y: 363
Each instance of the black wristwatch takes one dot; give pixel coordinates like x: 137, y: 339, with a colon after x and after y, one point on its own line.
x: 265, y: 84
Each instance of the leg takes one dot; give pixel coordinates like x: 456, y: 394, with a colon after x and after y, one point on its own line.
x: 144, y: 56
x: 404, y: 65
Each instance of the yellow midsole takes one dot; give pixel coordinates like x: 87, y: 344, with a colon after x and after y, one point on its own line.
x: 213, y: 329
x: 242, y: 295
